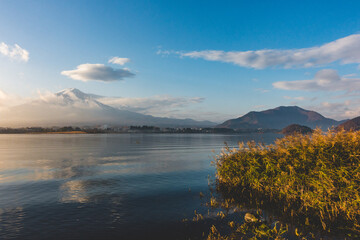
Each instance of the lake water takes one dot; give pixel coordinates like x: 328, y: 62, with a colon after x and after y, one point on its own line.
x: 114, y: 186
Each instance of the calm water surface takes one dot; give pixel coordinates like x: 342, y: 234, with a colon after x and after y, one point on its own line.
x: 116, y: 186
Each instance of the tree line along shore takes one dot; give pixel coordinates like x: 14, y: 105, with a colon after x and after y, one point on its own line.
x: 128, y: 129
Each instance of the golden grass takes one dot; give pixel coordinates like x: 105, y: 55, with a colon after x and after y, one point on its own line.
x: 314, y: 176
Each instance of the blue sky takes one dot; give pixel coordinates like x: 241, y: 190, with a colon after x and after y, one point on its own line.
x: 168, y: 45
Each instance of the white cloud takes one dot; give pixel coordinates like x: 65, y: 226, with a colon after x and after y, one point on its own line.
x: 97, y: 72
x: 118, y: 60
x: 14, y: 52
x: 324, y: 80
x: 345, y: 50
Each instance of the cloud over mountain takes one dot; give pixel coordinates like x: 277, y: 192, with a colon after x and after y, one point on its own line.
x: 97, y: 72
x: 164, y: 105
x: 345, y: 50
x: 74, y: 107
x: 14, y: 52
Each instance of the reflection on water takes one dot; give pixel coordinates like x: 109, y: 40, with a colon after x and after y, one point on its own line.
x: 92, y: 186
x: 74, y: 191
x: 11, y: 221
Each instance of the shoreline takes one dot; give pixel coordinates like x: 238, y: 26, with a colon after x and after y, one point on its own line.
x: 83, y: 132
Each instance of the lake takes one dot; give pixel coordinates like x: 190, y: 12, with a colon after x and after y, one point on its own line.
x: 107, y: 186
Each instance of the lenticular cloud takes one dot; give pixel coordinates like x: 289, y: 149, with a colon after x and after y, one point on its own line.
x: 97, y: 72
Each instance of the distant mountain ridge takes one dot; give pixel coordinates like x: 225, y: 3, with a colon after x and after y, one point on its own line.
x: 74, y: 107
x: 352, y: 124
x: 280, y: 117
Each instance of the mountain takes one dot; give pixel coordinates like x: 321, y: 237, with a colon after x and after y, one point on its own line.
x: 278, y: 118
x: 352, y: 124
x: 74, y: 107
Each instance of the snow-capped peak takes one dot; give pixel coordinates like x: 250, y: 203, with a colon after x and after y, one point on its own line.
x: 73, y: 94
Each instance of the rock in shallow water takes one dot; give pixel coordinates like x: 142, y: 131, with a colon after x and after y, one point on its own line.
x: 251, y: 218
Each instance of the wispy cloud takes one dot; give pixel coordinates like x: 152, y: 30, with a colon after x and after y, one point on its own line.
x: 300, y: 98
x: 261, y: 90
x: 324, y: 80
x: 339, y: 110
x: 14, y: 52
x: 97, y: 72
x: 350, y: 75
x: 164, y: 105
x: 9, y: 100
x: 259, y: 106
x: 165, y: 53
x: 119, y: 61
x: 345, y: 50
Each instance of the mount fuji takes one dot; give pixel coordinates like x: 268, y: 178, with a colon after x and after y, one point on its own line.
x: 76, y: 108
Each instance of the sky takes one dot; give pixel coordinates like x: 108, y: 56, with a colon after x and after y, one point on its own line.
x: 206, y: 60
